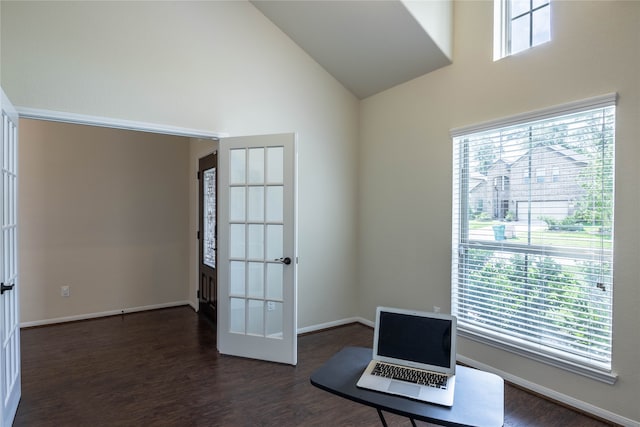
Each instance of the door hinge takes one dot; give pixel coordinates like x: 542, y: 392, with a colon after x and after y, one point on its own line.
x: 198, y: 294
x: 198, y: 174
x: 198, y: 235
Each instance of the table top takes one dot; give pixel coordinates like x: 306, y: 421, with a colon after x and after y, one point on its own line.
x: 478, y: 398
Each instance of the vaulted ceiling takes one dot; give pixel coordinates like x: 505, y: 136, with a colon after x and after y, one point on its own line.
x: 368, y: 46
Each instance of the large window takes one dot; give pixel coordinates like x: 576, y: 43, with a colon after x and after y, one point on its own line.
x: 520, y: 25
x: 532, y: 260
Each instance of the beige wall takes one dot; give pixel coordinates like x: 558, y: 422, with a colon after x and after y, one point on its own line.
x: 406, y: 171
x: 105, y: 212
x: 215, y: 66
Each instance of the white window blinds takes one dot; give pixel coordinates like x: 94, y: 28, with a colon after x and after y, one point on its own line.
x: 533, y: 235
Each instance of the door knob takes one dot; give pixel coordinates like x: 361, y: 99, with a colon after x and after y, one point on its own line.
x: 4, y: 288
x: 285, y: 261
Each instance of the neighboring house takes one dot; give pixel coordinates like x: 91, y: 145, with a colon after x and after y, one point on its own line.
x: 543, y: 180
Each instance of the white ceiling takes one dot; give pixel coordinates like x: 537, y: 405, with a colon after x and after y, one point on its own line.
x: 368, y: 46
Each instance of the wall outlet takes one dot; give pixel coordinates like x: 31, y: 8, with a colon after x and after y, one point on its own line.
x: 65, y: 291
x: 436, y: 309
x: 271, y: 305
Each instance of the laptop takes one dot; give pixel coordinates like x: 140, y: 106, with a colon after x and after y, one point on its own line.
x: 413, y: 345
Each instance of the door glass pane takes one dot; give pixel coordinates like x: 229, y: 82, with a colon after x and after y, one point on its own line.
x: 14, y: 270
x: 236, y: 278
x: 237, y: 315
x: 255, y: 316
x: 236, y: 240
x: 236, y: 204
x: 275, y: 204
x: 274, y: 320
x: 5, y: 140
x: 274, y: 283
x: 237, y: 166
x: 256, y: 204
x: 275, y: 165
x: 5, y: 259
x: 5, y: 214
x: 12, y: 198
x: 274, y: 242
x: 256, y: 241
x: 256, y: 165
x: 255, y: 276
x: 209, y: 215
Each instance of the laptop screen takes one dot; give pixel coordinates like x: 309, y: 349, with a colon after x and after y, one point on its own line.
x: 424, y: 338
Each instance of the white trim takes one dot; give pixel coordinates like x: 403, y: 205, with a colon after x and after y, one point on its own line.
x: 544, y: 113
x: 87, y: 316
x: 499, y: 30
x: 509, y: 344
x: 7, y: 107
x: 83, y: 119
x: 335, y: 323
x: 552, y: 394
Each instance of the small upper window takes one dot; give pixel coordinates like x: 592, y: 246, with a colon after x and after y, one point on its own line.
x: 519, y: 25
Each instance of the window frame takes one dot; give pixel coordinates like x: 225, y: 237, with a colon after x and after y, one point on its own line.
x: 460, y: 204
x: 502, y: 32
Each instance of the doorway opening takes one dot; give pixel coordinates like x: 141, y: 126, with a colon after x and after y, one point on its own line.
x: 207, y: 236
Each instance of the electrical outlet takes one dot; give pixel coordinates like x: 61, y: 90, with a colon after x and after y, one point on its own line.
x: 65, y: 291
x: 271, y: 305
x: 436, y: 309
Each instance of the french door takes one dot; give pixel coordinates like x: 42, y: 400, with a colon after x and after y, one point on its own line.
x: 10, y: 388
x: 257, y: 308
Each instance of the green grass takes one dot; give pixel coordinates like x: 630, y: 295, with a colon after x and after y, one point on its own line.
x: 578, y: 239
x: 474, y: 225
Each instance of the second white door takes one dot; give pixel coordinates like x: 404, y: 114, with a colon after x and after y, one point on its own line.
x: 10, y: 388
x: 257, y: 307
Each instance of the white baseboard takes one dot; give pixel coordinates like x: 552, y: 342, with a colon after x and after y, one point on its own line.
x: 552, y: 394
x: 104, y: 314
x: 328, y: 325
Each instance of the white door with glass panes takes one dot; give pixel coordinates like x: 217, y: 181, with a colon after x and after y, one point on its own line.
x: 257, y: 307
x: 9, y: 301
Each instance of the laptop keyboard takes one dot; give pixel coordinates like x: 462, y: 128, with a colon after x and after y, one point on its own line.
x: 416, y: 376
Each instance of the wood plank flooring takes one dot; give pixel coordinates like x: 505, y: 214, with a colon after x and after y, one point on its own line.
x: 161, y: 368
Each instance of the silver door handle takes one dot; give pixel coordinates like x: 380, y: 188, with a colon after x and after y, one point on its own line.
x: 285, y: 261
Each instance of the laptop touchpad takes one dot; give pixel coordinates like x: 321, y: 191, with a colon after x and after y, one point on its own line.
x: 404, y: 388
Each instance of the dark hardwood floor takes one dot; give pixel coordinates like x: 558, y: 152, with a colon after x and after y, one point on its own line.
x: 161, y: 368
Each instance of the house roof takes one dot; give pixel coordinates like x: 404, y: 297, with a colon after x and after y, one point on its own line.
x: 565, y: 152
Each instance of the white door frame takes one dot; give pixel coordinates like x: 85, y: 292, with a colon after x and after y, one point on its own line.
x: 108, y: 122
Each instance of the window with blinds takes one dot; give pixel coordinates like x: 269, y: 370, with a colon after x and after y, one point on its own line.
x: 533, y: 235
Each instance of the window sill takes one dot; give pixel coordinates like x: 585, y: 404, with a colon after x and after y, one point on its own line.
x: 521, y: 349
